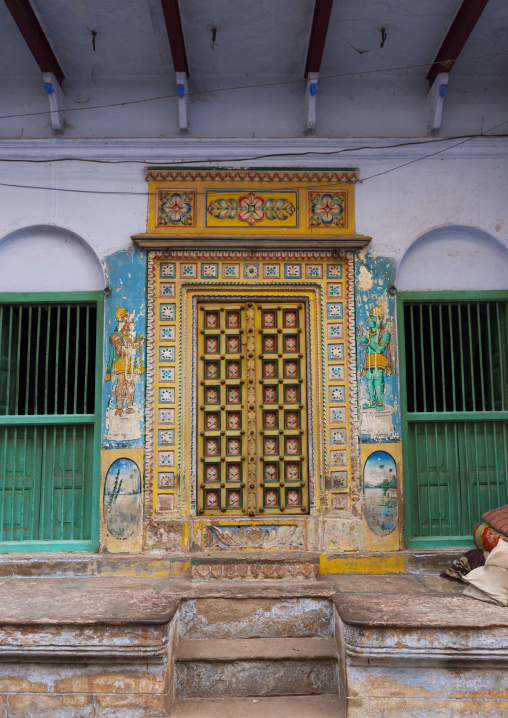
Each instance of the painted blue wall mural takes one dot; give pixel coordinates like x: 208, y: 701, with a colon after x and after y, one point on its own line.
x: 122, y: 499
x: 380, y: 493
x: 124, y: 349
x: 377, y: 350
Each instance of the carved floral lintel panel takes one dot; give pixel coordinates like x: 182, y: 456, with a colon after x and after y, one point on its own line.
x: 251, y: 208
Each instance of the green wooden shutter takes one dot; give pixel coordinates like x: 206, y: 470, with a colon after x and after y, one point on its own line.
x: 453, y: 349
x: 50, y: 391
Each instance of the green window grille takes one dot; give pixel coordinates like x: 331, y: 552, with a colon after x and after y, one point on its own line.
x: 454, y: 395
x: 50, y: 391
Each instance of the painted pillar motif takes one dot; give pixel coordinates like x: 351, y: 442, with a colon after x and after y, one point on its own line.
x: 123, y: 402
x: 380, y: 447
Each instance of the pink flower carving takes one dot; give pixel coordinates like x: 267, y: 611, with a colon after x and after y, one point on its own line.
x: 251, y: 209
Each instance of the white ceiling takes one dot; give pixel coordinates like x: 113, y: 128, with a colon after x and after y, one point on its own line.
x: 257, y: 42
x: 260, y: 39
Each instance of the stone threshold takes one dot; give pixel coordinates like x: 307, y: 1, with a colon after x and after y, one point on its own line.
x: 291, y: 564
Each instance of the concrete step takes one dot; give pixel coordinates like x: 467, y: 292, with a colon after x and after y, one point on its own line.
x: 256, y: 618
x: 326, y: 706
x: 217, y: 649
x: 215, y: 668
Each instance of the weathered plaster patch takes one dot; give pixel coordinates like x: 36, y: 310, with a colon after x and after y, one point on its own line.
x: 266, y: 536
x: 165, y: 535
x: 344, y: 534
x: 364, y: 279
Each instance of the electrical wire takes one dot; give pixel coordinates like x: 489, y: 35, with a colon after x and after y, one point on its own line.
x: 251, y: 158
x: 432, y: 154
x: 443, y: 63
x: 350, y: 149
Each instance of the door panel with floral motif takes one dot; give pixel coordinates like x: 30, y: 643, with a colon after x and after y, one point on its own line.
x: 252, y: 418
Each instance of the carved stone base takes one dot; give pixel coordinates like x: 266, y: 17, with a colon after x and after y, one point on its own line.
x: 254, y: 569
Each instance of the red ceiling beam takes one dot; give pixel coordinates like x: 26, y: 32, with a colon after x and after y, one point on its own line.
x: 320, y: 20
x: 175, y: 35
x: 457, y: 36
x: 35, y: 38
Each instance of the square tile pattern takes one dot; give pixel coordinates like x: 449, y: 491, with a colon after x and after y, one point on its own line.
x: 335, y: 328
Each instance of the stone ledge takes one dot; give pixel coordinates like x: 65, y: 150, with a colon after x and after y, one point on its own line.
x: 157, y: 240
x: 376, y: 610
x: 254, y: 589
x: 159, y: 564
x: 33, y: 646
x: 58, y: 625
x: 236, y: 649
x: 424, y: 630
x: 39, y: 601
x: 73, y: 564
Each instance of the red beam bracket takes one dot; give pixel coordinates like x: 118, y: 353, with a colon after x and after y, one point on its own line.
x: 35, y: 38
x: 176, y: 39
x: 461, y: 28
x: 320, y: 21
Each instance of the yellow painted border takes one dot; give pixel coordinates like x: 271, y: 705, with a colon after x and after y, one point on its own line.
x: 267, y: 229
x: 315, y: 289
x: 384, y: 563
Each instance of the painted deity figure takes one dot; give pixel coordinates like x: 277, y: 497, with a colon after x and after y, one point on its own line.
x: 377, y: 359
x: 124, y: 363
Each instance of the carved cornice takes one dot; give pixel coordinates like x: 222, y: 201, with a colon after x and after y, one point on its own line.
x: 157, y: 240
x: 241, y: 174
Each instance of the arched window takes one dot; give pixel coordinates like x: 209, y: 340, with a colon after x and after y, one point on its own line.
x: 51, y: 323
x: 452, y: 312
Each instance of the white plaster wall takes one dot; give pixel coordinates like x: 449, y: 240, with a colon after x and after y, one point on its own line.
x: 454, y: 258
x: 464, y: 186
x: 346, y: 107
x: 48, y: 258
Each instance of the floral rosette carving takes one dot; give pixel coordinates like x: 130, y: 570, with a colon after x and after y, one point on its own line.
x: 175, y: 208
x: 327, y: 210
x: 251, y: 208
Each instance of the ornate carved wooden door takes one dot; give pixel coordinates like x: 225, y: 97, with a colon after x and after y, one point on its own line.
x: 252, y: 397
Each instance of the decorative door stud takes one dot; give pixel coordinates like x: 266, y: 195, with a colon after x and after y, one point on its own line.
x: 252, y: 419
